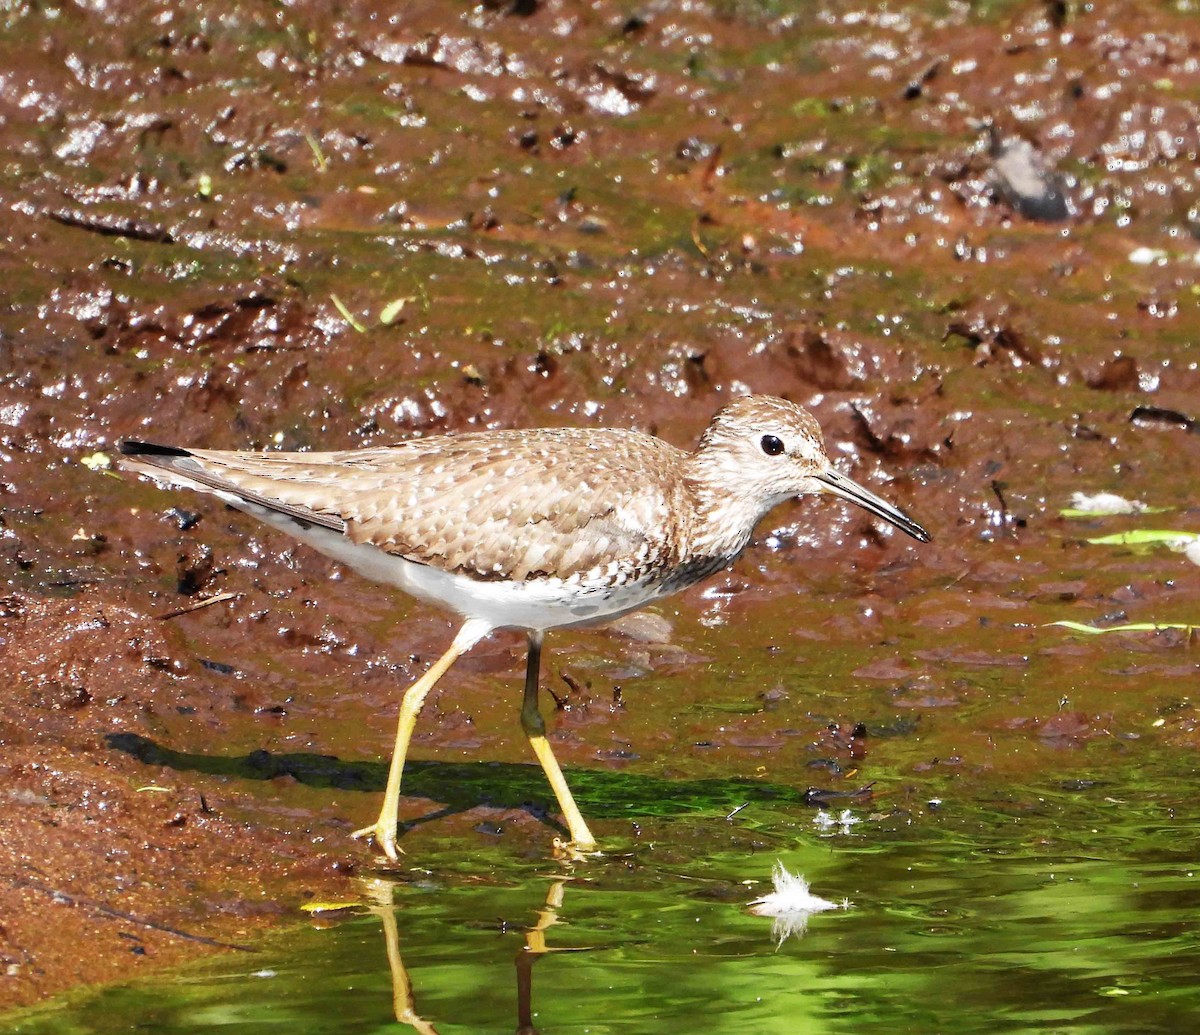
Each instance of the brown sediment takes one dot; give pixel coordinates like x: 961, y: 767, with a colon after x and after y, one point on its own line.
x: 99, y: 850
x: 591, y: 219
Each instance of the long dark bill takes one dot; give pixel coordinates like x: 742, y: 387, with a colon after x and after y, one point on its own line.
x: 848, y: 489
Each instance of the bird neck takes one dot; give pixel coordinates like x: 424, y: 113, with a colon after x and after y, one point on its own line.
x: 723, y: 516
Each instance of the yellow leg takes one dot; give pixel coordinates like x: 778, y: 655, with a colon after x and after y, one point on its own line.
x: 404, y: 1003
x: 383, y: 832
x: 535, y: 729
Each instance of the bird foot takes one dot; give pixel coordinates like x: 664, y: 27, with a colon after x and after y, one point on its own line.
x: 384, y: 837
x: 575, y: 851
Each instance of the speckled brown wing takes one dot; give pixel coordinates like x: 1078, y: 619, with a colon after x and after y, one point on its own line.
x: 513, y: 505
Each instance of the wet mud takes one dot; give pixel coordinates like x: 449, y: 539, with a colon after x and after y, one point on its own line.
x: 307, y: 226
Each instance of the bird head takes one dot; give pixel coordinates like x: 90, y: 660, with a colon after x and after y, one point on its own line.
x: 767, y: 450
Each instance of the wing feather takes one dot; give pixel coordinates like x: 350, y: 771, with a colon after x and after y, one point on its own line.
x: 514, y: 505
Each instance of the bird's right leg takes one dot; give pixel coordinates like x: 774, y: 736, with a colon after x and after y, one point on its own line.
x: 383, y: 831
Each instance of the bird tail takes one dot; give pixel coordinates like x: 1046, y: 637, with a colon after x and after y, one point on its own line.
x: 174, y: 467
x: 168, y: 465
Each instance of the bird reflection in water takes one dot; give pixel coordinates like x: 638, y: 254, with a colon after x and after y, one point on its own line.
x: 404, y: 999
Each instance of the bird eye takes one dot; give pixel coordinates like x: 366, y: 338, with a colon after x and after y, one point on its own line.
x: 771, y: 445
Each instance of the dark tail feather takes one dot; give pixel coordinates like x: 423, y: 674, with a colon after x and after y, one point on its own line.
x: 149, y: 457
x: 130, y: 448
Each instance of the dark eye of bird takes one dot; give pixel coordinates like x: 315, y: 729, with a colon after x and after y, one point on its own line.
x: 771, y: 445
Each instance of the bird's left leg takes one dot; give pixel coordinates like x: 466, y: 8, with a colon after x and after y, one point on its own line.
x: 535, y: 729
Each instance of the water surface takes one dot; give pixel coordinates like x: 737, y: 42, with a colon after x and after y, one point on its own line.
x: 1068, y: 907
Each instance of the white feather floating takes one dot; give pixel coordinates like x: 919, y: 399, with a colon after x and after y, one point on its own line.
x: 791, y: 904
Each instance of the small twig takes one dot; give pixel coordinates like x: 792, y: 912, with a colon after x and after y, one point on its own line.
x: 998, y: 492
x: 220, y: 598
x: 560, y: 703
x: 112, y: 226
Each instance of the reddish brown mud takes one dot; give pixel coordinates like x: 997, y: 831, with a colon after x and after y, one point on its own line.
x: 582, y: 215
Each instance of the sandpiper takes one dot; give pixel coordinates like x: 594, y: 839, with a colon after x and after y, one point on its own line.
x: 532, y: 529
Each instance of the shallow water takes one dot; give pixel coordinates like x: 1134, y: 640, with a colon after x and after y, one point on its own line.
x: 1066, y: 908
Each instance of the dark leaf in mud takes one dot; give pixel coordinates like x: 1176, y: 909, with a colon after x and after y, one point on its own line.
x: 461, y: 54
x: 1085, y: 432
x: 1152, y: 416
x: 64, y: 696
x: 248, y: 161
x: 607, y: 91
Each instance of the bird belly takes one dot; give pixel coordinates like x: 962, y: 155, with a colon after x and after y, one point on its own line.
x: 536, y: 604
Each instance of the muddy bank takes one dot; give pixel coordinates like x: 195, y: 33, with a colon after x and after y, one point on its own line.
x: 102, y: 851
x: 568, y: 217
